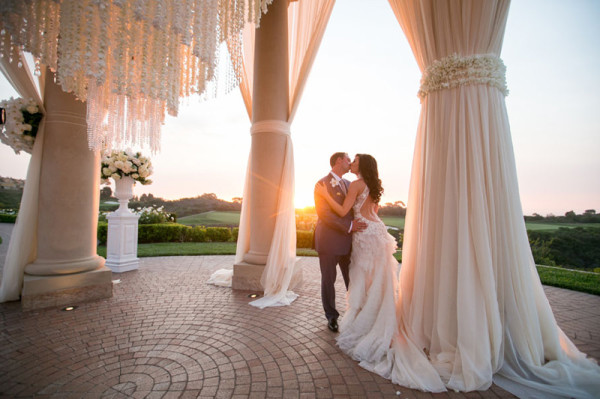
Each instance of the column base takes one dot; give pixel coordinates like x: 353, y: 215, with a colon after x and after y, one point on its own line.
x: 57, y: 267
x: 122, y: 266
x: 54, y: 291
x: 246, y: 277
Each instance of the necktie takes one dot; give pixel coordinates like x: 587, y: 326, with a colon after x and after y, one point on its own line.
x: 343, y: 187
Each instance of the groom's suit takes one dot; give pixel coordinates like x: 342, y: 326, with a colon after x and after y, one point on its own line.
x: 333, y: 242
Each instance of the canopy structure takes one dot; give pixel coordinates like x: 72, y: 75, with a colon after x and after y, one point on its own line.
x: 469, y: 293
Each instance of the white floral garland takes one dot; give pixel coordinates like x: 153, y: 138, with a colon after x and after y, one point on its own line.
x: 17, y: 132
x: 455, y: 70
x: 117, y: 164
x: 129, y: 59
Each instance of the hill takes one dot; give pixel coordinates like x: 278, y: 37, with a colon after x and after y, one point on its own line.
x: 212, y: 218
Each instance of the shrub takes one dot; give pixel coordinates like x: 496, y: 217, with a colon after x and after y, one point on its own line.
x: 304, y: 239
x: 218, y: 234
x: 8, y: 218
x: 575, y: 248
x: 102, y: 232
x: 166, y: 232
x: 235, y: 232
x: 398, y: 235
x: 154, y: 215
x: 8, y: 215
x: 197, y: 234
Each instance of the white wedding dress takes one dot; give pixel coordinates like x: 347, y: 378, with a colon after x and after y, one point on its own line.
x: 374, y: 332
x: 369, y: 329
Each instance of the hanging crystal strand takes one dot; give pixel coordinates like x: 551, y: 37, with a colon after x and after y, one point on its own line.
x: 119, y: 57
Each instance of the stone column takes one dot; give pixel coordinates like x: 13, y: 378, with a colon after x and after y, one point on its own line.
x: 67, y: 269
x: 270, y: 102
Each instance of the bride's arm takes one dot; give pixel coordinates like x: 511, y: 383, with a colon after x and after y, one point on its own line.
x: 341, y: 210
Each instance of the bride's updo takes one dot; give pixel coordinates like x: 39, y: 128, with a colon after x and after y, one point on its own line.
x: 367, y: 167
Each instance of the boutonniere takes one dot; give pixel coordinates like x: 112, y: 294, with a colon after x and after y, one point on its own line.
x: 333, y: 182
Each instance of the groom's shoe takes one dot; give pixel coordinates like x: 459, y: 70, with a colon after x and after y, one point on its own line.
x: 333, y: 325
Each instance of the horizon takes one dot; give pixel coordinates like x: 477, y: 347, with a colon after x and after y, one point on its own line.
x: 231, y: 200
x: 361, y: 97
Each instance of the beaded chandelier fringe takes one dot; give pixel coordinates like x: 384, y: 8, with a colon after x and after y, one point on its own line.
x: 130, y: 60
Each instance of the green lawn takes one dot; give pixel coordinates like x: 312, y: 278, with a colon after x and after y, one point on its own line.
x: 192, y: 249
x: 212, y: 218
x: 394, y: 221
x: 570, y: 279
x: 555, y: 226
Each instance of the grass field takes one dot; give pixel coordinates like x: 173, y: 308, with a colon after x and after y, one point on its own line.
x: 216, y: 218
x: 212, y: 218
x: 570, y: 279
x: 394, y: 221
x: 555, y: 226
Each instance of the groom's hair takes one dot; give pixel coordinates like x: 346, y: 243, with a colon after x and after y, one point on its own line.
x: 335, y: 157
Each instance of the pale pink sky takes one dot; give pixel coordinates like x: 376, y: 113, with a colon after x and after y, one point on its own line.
x: 361, y: 97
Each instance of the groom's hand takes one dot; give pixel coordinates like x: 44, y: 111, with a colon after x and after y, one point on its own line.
x: 358, y: 225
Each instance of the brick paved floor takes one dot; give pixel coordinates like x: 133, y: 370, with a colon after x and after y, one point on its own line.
x: 167, y: 334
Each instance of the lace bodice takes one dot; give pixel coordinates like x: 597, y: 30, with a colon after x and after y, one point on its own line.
x: 360, y: 200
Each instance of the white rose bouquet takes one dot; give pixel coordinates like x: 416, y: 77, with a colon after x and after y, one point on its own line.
x: 21, y: 121
x: 117, y: 164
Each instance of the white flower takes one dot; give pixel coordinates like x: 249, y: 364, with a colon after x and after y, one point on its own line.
x: 116, y: 176
x: 333, y: 182
x: 126, y: 163
x: 12, y: 133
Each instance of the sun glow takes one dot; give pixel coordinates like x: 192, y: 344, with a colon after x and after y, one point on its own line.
x: 303, y: 200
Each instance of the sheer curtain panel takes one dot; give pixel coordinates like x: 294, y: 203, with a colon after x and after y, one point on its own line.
x: 469, y: 293
x: 23, y: 240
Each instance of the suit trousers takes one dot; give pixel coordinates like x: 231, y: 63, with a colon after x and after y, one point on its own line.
x: 328, y: 263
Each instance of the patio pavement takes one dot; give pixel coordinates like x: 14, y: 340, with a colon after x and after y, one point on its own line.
x: 165, y: 333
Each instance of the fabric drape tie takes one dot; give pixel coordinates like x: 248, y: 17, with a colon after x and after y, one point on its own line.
x: 270, y: 126
x: 456, y: 70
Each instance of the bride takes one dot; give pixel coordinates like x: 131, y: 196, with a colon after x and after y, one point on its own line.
x: 375, y: 333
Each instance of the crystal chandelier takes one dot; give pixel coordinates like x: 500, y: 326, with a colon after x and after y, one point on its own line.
x: 130, y: 60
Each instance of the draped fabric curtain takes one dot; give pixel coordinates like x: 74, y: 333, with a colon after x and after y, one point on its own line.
x: 307, y: 20
x: 469, y: 293
x: 23, y: 240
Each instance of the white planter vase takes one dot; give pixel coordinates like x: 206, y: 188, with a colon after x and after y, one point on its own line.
x: 124, y: 192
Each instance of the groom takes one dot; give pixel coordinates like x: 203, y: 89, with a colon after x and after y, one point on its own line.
x: 333, y: 235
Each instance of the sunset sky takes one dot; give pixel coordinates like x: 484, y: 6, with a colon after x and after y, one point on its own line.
x: 361, y: 97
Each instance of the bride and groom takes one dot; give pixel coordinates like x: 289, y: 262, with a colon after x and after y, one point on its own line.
x: 375, y: 332
x: 350, y: 233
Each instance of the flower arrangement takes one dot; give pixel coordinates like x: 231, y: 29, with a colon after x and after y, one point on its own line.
x: 456, y: 70
x: 21, y: 122
x: 154, y: 215
x: 117, y: 164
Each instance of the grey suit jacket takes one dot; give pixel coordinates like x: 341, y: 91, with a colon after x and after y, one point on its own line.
x: 332, y: 232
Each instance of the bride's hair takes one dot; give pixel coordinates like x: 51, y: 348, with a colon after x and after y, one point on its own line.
x: 367, y: 167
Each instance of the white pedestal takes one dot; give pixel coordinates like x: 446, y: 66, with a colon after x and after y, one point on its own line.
x: 122, y: 235
x: 121, y: 245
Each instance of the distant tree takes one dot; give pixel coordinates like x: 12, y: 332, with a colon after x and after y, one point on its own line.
x: 237, y: 200
x: 147, y: 197
x: 570, y: 215
x: 105, y: 193
x: 590, y: 212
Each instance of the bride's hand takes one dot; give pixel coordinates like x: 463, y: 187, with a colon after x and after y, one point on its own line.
x: 321, y: 189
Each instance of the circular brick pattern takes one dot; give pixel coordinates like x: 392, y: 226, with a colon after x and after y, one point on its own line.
x: 165, y: 333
